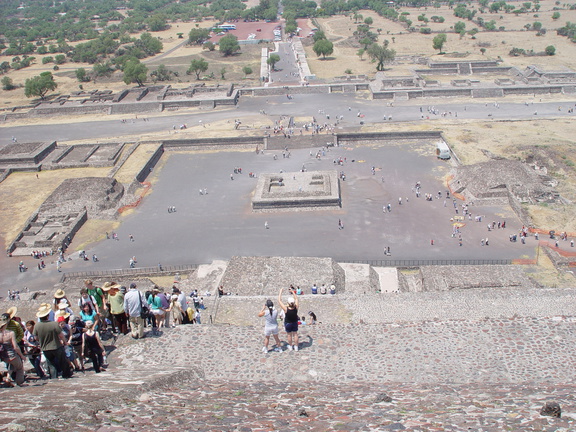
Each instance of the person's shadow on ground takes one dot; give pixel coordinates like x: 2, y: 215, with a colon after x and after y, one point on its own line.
x: 307, y: 344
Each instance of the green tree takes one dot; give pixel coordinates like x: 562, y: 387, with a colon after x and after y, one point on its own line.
x: 223, y: 73
x: 368, y: 21
x: 7, y: 83
x: 319, y: 35
x: 555, y: 15
x: 290, y: 28
x: 197, y: 66
x: 360, y: 53
x: 381, y: 54
x: 208, y: 46
x: 323, y: 48
x: 135, y: 72
x: 272, y: 60
x: 60, y: 59
x: 149, y: 44
x: 550, y: 50
x: 247, y: 70
x: 229, y: 45
x: 48, y: 59
x: 366, y: 42
x: 198, y: 35
x: 439, y: 41
x: 161, y: 74
x: 102, y: 69
x: 40, y: 85
x: 537, y: 26
x: 156, y: 22
x: 459, y: 27
x: 82, y: 75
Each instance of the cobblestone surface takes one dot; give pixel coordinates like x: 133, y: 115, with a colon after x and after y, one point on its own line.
x: 477, y: 360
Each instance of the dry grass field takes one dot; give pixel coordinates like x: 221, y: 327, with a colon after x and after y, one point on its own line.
x: 340, y: 29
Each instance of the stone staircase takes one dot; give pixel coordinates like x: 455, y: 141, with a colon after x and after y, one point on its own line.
x: 488, y: 374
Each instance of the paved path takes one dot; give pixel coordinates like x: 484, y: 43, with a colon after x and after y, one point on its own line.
x: 301, y: 105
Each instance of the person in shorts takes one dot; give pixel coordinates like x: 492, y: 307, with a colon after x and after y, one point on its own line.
x: 290, y: 319
x: 271, y: 327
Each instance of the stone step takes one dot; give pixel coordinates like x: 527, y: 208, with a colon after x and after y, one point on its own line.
x: 463, y: 351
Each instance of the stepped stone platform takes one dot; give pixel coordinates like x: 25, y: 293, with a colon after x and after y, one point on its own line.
x: 310, y: 189
x: 254, y: 276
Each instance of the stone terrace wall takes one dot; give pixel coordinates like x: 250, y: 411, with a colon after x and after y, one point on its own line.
x: 141, y: 176
x: 135, y: 108
x: 264, y: 276
x: 204, y: 142
x: 427, y: 135
x: 445, y: 278
x: 277, y: 142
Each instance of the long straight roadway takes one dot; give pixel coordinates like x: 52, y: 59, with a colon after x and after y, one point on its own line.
x: 352, y: 107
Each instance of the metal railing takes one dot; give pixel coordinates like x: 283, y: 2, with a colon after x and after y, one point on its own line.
x: 418, y: 263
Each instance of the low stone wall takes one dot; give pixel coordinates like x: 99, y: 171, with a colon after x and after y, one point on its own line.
x: 277, y: 142
x: 135, y: 108
x: 143, y: 174
x: 532, y: 90
x: 71, y: 110
x: 487, y: 92
x: 204, y: 142
x: 420, y: 135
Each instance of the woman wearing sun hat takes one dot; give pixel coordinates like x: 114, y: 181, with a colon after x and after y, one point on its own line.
x: 290, y: 319
x: 59, y: 297
x: 10, y: 351
x: 115, y: 300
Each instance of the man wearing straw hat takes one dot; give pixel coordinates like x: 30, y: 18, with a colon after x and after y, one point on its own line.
x: 52, y: 341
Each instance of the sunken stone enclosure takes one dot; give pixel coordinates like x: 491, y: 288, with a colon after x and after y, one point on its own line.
x: 65, y: 211
x: 311, y: 189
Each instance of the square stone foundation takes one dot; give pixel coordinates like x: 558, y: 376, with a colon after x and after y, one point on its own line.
x: 310, y: 189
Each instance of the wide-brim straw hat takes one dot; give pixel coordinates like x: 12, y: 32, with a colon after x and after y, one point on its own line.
x: 12, y: 311
x: 59, y: 294
x: 110, y: 285
x: 44, y: 310
x: 61, y: 313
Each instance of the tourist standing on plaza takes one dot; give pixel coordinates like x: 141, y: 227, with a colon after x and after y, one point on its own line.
x: 133, y: 303
x: 271, y: 327
x: 52, y: 341
x: 290, y: 319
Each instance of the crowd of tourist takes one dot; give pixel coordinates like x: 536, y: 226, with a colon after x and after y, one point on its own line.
x: 64, y: 337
